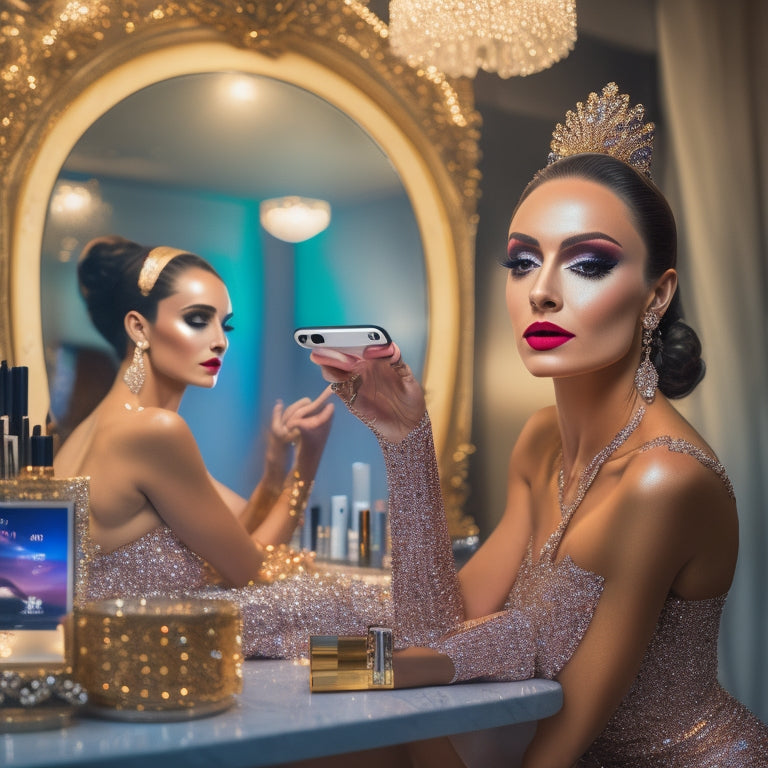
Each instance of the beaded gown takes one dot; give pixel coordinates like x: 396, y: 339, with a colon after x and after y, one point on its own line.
x: 676, y: 714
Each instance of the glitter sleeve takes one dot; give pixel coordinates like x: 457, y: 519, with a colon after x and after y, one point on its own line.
x: 500, y: 646
x: 428, y: 606
x: 425, y: 586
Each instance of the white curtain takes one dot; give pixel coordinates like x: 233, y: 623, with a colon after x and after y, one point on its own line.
x: 714, y: 64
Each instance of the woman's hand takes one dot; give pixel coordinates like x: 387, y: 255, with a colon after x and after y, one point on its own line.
x: 307, y: 423
x: 379, y: 388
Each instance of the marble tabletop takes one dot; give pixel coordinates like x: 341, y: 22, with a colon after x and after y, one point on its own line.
x: 276, y: 719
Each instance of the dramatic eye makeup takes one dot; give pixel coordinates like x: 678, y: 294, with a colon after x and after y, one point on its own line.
x: 522, y: 256
x: 591, y: 255
x: 592, y: 259
x: 199, y: 317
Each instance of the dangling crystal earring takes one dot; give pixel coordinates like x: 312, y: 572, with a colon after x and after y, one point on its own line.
x: 135, y: 374
x: 646, y: 376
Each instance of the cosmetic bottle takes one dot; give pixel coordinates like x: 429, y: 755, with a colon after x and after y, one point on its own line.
x: 15, y: 443
x: 323, y: 545
x: 339, y: 526
x: 361, y: 495
x: 10, y: 456
x: 378, y: 535
x: 5, y: 388
x: 364, y: 549
x: 40, y: 455
x: 309, y: 529
x: 19, y: 418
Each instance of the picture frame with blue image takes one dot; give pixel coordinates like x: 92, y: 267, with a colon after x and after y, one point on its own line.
x: 43, y: 534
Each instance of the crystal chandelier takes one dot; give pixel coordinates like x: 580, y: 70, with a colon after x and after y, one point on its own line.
x: 458, y: 37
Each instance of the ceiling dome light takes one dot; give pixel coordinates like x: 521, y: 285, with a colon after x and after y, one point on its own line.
x: 294, y: 219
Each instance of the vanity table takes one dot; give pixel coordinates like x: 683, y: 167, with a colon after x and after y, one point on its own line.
x: 277, y: 720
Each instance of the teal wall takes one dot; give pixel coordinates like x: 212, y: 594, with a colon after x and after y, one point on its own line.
x: 367, y: 267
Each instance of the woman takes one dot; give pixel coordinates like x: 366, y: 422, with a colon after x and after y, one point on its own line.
x: 609, y: 568
x: 158, y: 521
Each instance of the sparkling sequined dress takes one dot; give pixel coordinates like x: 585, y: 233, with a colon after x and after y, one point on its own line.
x: 676, y: 715
x: 278, y: 615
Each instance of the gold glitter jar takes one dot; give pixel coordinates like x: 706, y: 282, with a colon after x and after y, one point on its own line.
x: 158, y: 659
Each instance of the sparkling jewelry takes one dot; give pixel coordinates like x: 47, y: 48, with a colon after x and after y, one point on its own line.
x: 153, y: 265
x: 589, y: 473
x: 135, y: 374
x: 347, y: 390
x: 299, y: 491
x: 606, y: 124
x: 646, y: 376
x: 31, y: 689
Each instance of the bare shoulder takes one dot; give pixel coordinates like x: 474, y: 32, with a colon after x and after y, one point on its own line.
x: 673, y: 514
x: 151, y: 438
x: 157, y: 424
x: 679, y: 467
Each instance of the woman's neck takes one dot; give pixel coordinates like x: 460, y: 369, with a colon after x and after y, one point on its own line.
x: 591, y: 409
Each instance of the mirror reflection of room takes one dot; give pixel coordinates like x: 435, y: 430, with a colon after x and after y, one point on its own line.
x: 157, y: 169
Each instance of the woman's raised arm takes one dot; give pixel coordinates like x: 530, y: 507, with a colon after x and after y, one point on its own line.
x: 429, y: 607
x: 277, y: 503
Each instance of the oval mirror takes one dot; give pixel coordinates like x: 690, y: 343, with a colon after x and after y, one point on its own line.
x: 188, y: 161
x: 63, y: 73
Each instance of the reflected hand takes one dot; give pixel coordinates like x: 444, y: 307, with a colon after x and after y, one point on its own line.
x: 379, y: 388
x: 308, y: 422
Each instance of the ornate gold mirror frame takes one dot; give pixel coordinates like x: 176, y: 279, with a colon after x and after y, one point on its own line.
x: 64, y: 63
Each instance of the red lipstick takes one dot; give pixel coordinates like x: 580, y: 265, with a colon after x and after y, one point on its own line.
x: 544, y: 336
x: 213, y: 365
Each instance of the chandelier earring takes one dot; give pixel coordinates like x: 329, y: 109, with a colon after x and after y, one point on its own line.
x: 135, y: 374
x: 646, y: 376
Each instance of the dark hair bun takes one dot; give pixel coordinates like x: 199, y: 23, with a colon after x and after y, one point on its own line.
x: 108, y: 268
x: 680, y: 367
x: 102, y: 266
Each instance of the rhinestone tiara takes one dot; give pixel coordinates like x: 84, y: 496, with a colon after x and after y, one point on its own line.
x: 606, y: 124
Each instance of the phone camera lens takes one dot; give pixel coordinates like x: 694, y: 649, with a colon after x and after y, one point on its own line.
x: 374, y: 336
x: 317, y: 338
x: 302, y: 338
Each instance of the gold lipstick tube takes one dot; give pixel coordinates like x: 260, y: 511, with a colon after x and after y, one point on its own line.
x: 351, y: 663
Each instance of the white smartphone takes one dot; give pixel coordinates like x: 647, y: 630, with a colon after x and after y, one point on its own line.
x: 348, y: 339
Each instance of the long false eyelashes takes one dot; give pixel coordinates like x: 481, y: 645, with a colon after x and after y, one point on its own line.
x: 200, y: 319
x: 521, y: 257
x: 592, y: 266
x: 587, y: 259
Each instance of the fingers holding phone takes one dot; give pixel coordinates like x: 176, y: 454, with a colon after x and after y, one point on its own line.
x: 369, y: 375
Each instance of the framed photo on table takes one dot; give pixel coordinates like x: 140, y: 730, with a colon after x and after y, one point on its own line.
x: 43, y: 525
x: 43, y: 553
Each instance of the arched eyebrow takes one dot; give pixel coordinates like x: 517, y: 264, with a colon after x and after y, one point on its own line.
x: 568, y: 242
x: 523, y: 238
